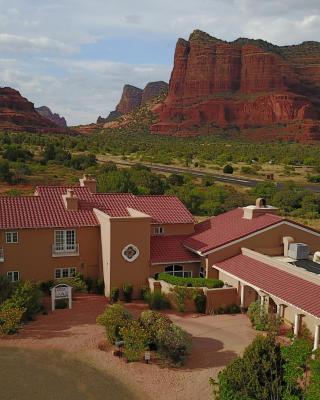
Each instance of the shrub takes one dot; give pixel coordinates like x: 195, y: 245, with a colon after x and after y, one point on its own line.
x: 100, y: 286
x: 127, y: 292
x: 230, y: 309
x: 144, y: 291
x: 45, y: 286
x: 76, y: 282
x: 112, y: 319
x: 200, y: 301
x: 191, y: 282
x: 10, y: 319
x: 157, y: 300
x: 180, y: 294
x: 261, y: 320
x: 174, y: 344
x: 6, y: 288
x: 154, y: 322
x: 114, y: 294
x: 89, y: 283
x: 228, y: 169
x: 27, y: 296
x: 135, y: 340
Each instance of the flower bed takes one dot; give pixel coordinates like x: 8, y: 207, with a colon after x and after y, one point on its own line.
x: 191, y: 282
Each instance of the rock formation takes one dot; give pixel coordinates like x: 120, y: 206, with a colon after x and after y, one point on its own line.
x: 19, y: 114
x: 244, y: 84
x: 133, y: 97
x: 47, y: 113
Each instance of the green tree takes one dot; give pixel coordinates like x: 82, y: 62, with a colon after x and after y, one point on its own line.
x: 228, y: 169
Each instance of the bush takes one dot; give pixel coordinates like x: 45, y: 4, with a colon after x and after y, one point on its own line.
x: 135, y: 339
x: 200, y: 300
x: 6, y: 288
x: 127, y: 292
x: 154, y: 322
x: 76, y: 282
x: 228, y: 169
x: 230, y: 309
x: 100, y: 286
x: 114, y: 294
x: 112, y: 319
x: 157, y: 300
x: 27, y: 296
x: 190, y: 282
x: 261, y: 320
x: 45, y: 286
x: 144, y: 291
x: 89, y: 284
x: 10, y: 319
x: 174, y: 344
x: 180, y: 294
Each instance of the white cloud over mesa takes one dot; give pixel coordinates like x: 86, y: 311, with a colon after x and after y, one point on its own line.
x: 43, y: 45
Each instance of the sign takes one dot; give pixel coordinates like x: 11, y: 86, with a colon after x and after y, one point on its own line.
x: 61, y: 291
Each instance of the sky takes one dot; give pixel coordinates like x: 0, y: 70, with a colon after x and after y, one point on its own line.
x: 74, y: 56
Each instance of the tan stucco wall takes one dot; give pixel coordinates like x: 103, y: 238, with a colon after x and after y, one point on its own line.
x: 175, y: 229
x: 194, y: 267
x: 116, y: 233
x: 32, y: 256
x: 221, y: 297
x: 265, y: 241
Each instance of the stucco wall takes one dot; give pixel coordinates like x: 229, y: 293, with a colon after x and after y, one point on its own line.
x: 221, y: 297
x: 32, y: 255
x: 175, y: 229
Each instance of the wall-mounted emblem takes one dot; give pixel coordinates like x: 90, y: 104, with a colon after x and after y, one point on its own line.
x: 130, y: 252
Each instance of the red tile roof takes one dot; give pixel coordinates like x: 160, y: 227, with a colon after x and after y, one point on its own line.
x: 283, y: 285
x: 170, y: 249
x: 227, y: 227
x: 48, y: 209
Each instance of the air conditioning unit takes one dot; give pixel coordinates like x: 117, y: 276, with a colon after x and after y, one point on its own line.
x: 299, y: 251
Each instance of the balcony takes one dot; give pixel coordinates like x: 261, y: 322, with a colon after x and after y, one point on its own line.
x: 1, y: 255
x: 65, y: 251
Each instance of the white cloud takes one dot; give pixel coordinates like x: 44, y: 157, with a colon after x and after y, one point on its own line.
x: 46, y: 47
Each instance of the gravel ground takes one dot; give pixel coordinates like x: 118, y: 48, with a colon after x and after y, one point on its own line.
x: 216, y: 341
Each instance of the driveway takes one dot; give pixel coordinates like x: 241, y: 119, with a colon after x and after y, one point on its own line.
x: 216, y: 341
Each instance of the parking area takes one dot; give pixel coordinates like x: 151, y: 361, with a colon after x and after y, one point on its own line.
x: 216, y: 341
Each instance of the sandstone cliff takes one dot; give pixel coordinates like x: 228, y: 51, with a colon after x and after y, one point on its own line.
x: 19, y: 114
x: 133, y: 97
x: 245, y: 84
x: 47, y: 113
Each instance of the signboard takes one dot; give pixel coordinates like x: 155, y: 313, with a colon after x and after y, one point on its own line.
x: 61, y: 291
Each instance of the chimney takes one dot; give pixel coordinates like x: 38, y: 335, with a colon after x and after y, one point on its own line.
x: 89, y: 182
x: 287, y: 240
x: 70, y: 200
x: 260, y: 208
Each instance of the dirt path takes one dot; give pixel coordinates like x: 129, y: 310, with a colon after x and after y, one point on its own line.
x: 216, y: 341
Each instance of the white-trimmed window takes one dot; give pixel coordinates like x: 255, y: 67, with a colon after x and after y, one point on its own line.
x: 13, y: 276
x: 68, y: 272
x: 158, y: 230
x: 178, y: 270
x: 65, y: 240
x: 12, y: 237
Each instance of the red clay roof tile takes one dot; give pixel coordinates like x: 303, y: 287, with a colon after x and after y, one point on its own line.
x: 170, y: 249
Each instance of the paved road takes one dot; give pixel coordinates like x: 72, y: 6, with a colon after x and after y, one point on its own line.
x: 220, y: 178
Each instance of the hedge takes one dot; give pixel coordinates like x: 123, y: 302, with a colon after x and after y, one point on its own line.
x: 190, y: 282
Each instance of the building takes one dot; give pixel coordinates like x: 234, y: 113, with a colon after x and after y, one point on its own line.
x: 124, y: 238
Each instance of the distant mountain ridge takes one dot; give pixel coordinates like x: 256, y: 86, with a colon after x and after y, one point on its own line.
x: 242, y: 84
x: 45, y: 111
x: 19, y: 114
x: 133, y: 98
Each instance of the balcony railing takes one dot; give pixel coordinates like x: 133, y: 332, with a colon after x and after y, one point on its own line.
x: 1, y: 255
x: 67, y: 250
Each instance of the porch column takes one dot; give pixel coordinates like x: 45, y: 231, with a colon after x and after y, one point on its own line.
x: 297, y: 324
x: 316, y: 337
x: 242, y: 301
x: 280, y: 310
x: 264, y: 302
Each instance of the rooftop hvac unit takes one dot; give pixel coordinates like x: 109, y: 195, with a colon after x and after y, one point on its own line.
x: 299, y: 251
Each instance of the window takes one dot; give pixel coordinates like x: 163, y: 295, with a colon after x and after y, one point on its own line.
x: 158, y: 230
x: 177, y: 270
x: 64, y: 273
x: 11, y: 237
x: 13, y: 276
x: 202, y: 273
x: 65, y: 240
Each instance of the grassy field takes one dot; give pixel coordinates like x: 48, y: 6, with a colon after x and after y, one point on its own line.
x: 51, y: 375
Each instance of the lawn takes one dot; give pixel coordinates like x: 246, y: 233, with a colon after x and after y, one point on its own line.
x: 51, y: 375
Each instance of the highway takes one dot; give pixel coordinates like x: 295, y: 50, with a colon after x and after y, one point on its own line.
x: 251, y: 183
